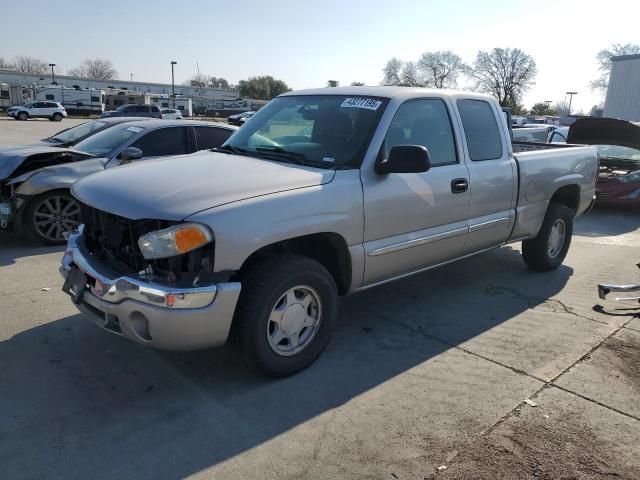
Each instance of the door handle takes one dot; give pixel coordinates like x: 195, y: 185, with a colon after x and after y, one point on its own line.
x: 459, y: 185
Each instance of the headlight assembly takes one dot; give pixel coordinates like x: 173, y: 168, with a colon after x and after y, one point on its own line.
x: 174, y: 241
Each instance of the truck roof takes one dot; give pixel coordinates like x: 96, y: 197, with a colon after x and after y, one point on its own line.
x: 392, y: 92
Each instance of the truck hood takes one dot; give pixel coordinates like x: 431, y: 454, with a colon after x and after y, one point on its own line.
x: 174, y: 188
x: 13, y: 157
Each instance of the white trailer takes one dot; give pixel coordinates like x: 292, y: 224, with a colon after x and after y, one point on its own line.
x: 5, y: 96
x: 76, y: 101
x: 185, y: 105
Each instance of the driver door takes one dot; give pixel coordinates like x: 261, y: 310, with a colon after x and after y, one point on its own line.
x: 416, y: 220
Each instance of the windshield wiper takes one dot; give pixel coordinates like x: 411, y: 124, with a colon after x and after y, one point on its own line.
x: 294, y: 157
x: 229, y: 149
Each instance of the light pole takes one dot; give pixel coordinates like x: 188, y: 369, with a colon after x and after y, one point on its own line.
x: 571, y: 94
x: 53, y: 74
x: 173, y: 85
x: 131, y: 76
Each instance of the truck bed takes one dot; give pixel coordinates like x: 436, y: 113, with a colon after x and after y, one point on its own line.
x: 545, y: 168
x: 519, y: 147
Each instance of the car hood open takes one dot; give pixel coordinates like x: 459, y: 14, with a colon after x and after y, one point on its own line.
x: 14, y: 157
x: 604, y: 131
x: 174, y: 188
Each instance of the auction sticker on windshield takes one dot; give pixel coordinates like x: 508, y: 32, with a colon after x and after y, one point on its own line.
x: 134, y: 129
x: 366, y: 103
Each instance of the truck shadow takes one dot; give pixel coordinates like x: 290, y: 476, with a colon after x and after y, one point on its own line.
x: 79, y: 403
x: 13, y: 247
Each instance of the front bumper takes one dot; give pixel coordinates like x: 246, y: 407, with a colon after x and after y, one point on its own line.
x: 12, y: 113
x: 156, y: 315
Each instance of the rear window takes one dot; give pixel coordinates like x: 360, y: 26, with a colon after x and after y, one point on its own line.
x: 480, y: 130
x: 142, y: 108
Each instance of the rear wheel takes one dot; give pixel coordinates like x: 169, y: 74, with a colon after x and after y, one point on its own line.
x: 285, y: 314
x: 49, y: 215
x: 22, y: 116
x: 56, y: 117
x: 548, y: 250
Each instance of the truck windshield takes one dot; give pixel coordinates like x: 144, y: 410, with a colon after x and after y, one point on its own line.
x: 327, y: 131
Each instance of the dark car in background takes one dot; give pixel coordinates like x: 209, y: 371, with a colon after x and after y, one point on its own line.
x: 239, y: 119
x: 150, y: 111
x: 35, y: 181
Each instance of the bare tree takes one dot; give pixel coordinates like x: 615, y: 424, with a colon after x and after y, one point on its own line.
x: 333, y: 83
x: 604, y: 61
x: 30, y: 65
x: 357, y: 84
x: 503, y: 72
x: 409, y: 75
x: 4, y: 64
x: 440, y: 69
x: 198, y: 80
x: 391, y: 72
x: 96, y: 69
x: 562, y: 108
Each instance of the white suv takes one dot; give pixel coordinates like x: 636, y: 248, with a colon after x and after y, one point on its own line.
x: 171, y: 114
x: 52, y: 110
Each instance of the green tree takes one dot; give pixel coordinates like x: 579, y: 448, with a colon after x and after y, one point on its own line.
x: 357, y: 84
x: 262, y: 88
x: 542, y: 108
x: 333, y: 83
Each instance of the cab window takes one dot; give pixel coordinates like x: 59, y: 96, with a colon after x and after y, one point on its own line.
x: 427, y: 123
x: 480, y: 130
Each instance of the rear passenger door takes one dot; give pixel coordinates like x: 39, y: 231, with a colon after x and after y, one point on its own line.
x: 210, y: 137
x: 492, y: 175
x: 164, y: 141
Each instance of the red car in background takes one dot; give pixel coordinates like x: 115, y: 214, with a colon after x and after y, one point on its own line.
x: 618, y: 144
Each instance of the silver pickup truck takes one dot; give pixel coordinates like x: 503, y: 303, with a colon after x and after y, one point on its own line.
x: 321, y: 193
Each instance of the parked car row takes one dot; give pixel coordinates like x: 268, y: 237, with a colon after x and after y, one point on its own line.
x: 35, y: 180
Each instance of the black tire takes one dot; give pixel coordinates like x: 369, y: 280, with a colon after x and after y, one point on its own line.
x: 37, y: 203
x: 538, y: 253
x: 262, y: 287
x: 57, y: 117
x: 22, y: 116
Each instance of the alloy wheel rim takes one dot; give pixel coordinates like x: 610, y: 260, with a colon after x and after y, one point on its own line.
x: 54, y: 216
x: 294, y: 320
x: 556, y: 238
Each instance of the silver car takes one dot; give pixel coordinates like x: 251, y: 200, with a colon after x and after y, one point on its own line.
x: 35, y: 181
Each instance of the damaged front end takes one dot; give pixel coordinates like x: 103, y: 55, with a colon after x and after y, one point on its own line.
x: 113, y: 242
x: 17, y: 166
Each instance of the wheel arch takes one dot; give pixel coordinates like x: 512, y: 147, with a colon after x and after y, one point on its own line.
x: 568, y: 195
x: 327, y: 248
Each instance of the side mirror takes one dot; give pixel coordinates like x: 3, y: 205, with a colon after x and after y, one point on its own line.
x: 405, y: 159
x: 130, y: 153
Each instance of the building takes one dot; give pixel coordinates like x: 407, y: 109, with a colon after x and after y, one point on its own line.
x: 201, y: 96
x: 623, y: 92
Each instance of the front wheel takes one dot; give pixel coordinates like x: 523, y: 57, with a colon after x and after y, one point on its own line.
x: 285, y: 315
x: 49, y: 215
x: 548, y: 250
x: 23, y: 116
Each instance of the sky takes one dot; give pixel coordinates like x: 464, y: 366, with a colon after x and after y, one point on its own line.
x: 306, y: 43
